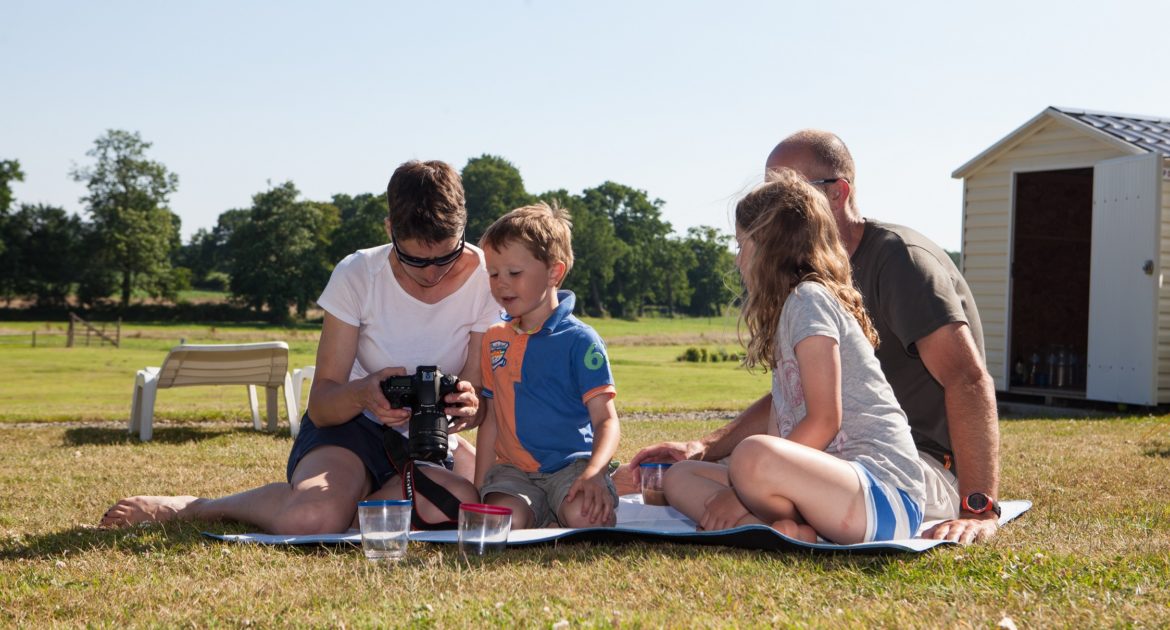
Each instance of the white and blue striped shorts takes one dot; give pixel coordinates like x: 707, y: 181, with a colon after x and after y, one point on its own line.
x: 890, y: 513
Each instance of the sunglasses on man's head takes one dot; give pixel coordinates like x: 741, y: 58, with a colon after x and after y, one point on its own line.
x: 438, y: 261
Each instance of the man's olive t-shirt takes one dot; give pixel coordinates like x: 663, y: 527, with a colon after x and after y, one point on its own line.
x: 911, y: 288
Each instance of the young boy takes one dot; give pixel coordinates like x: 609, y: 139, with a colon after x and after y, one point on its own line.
x: 551, y: 426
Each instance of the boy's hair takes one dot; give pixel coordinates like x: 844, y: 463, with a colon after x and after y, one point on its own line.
x: 426, y: 201
x: 547, y: 232
x: 795, y: 238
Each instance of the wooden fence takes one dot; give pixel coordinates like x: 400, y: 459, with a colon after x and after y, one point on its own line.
x: 75, y: 321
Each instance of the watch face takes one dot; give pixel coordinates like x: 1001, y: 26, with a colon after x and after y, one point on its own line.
x: 977, y: 502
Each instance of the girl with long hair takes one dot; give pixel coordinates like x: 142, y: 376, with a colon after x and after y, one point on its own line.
x: 838, y: 460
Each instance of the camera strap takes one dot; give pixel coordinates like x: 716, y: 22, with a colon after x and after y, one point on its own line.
x: 415, y: 481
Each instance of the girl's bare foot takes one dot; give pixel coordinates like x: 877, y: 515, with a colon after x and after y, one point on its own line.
x: 792, y: 529
x: 146, y: 509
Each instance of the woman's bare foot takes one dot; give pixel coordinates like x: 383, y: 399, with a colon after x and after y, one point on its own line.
x: 792, y: 529
x: 146, y: 509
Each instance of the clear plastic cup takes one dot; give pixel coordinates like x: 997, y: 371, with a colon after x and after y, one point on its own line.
x: 385, y: 528
x: 483, y: 528
x: 652, y: 474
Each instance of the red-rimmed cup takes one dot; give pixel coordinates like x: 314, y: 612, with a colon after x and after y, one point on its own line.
x: 483, y: 528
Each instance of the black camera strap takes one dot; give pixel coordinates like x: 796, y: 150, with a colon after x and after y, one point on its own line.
x: 415, y: 481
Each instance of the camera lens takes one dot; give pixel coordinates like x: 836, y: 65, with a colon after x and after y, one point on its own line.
x: 428, y: 436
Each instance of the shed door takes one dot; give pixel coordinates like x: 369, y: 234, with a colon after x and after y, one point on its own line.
x: 1123, y: 281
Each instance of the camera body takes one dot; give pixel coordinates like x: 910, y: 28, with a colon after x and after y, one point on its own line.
x: 423, y: 392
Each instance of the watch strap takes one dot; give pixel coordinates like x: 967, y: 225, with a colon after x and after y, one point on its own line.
x: 991, y: 504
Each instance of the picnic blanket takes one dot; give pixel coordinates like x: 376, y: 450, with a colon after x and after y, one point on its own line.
x: 638, y: 523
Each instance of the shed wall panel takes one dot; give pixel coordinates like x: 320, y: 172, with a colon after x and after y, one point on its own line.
x: 996, y: 221
x: 991, y: 195
x: 1042, y: 147
x: 986, y: 247
x: 982, y: 275
x: 984, y: 209
x: 1079, y: 159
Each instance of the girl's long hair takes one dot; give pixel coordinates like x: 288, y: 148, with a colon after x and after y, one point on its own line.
x: 794, y: 238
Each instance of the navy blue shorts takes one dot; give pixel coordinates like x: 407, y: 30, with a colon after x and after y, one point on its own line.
x: 360, y: 436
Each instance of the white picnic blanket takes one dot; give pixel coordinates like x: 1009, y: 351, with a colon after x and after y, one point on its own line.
x: 638, y: 522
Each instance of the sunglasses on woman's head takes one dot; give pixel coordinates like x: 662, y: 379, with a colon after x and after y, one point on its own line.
x: 438, y: 261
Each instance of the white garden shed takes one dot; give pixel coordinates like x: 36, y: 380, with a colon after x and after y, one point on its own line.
x: 1066, y: 236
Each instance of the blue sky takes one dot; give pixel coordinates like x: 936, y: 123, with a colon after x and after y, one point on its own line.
x: 681, y: 99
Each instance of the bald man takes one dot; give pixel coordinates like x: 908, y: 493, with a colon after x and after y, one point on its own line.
x: 931, y: 351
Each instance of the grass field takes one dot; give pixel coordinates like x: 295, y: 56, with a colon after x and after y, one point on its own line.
x: 1094, y: 551
x: 200, y: 296
x: 53, y: 383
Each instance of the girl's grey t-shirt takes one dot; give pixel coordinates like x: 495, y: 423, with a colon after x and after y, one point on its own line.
x: 874, y: 431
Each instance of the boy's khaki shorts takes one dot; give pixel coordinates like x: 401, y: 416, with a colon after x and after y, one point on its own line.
x: 540, y: 491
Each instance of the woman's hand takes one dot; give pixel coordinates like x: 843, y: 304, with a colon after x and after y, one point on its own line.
x: 370, y: 397
x: 463, y: 407
x: 724, y: 511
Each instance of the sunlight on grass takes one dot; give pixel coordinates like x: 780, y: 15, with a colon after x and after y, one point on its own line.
x: 1105, y: 563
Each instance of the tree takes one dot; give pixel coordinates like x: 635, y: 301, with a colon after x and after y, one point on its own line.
x: 279, y: 258
x: 492, y: 186
x: 675, y: 260
x: 133, y: 233
x: 713, y: 277
x: 363, y: 224
x: 595, y: 250
x: 42, y: 259
x: 9, y: 172
x: 96, y: 281
x: 199, y: 256
x: 637, y: 222
x: 13, y: 271
x: 206, y: 255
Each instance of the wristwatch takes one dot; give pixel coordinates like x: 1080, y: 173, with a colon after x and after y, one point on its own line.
x: 978, y: 503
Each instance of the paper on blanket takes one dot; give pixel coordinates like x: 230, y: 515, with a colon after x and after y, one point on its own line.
x: 638, y: 522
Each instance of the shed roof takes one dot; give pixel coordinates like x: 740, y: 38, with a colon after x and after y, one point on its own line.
x: 1137, y: 134
x: 1147, y: 132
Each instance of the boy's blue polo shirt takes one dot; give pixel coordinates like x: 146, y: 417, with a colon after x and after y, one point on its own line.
x: 539, y: 384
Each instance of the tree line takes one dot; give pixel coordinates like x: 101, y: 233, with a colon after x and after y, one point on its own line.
x: 276, y: 256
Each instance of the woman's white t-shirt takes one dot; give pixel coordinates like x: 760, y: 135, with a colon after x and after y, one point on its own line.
x: 396, y: 329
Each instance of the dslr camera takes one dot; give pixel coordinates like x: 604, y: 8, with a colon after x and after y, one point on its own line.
x: 423, y: 392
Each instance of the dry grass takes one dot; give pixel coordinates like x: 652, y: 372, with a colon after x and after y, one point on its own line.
x: 1094, y: 551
